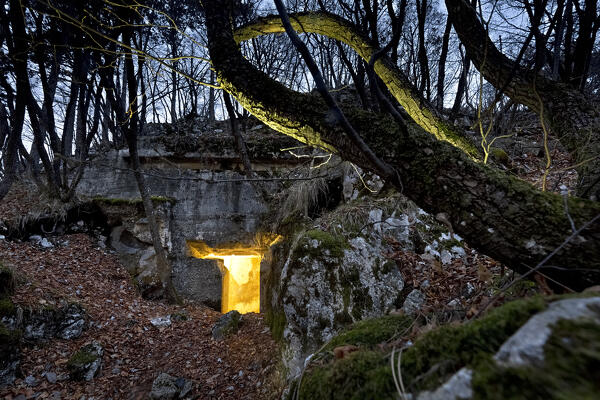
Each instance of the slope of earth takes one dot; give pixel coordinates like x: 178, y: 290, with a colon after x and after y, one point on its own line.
x: 135, y: 351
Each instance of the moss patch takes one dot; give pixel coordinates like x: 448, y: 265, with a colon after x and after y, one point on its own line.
x: 361, y: 375
x: 7, y: 308
x: 7, y: 281
x: 429, y: 362
x: 571, y: 369
x: 276, y: 321
x: 336, y: 244
x: 81, y: 358
x: 371, y: 332
x: 9, y: 336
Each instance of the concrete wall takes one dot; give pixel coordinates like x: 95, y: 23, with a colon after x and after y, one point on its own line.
x: 227, y: 211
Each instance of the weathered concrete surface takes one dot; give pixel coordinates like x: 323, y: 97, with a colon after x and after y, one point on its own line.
x: 228, y: 211
x: 208, y: 200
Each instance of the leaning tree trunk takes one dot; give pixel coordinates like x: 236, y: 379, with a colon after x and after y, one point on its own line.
x: 572, y: 117
x: 500, y: 215
x: 398, y: 84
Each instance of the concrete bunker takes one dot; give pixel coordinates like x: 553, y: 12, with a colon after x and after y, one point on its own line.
x: 240, y: 267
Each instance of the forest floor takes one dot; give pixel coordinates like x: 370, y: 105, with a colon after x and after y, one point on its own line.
x: 135, y: 352
x: 243, y: 366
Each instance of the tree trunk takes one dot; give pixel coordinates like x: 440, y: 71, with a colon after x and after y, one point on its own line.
x: 573, y: 117
x: 501, y: 216
x: 237, y: 135
x: 442, y: 66
x: 397, y: 83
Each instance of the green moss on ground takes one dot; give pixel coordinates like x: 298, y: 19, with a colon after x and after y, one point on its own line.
x: 9, y: 337
x: 360, y: 375
x: 7, y: 308
x: 80, y: 358
x: 429, y: 362
x: 336, y: 244
x: 7, y: 281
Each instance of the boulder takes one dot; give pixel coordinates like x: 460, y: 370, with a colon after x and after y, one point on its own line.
x: 86, y: 363
x: 414, y: 302
x: 65, y: 322
x: 167, y: 387
x: 227, y: 324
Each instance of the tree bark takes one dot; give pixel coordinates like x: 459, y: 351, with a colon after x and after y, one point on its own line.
x: 500, y: 215
x: 572, y: 116
x: 335, y: 27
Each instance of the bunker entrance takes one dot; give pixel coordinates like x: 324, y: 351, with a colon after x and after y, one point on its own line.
x: 241, y: 273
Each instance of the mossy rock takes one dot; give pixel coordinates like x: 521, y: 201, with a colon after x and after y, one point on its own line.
x: 333, y: 244
x: 276, y: 321
x: 499, y: 156
x: 433, y: 358
x: 7, y: 282
x: 9, y: 343
x: 7, y: 308
x: 571, y: 369
x: 85, y: 363
x: 371, y: 332
x: 9, y: 336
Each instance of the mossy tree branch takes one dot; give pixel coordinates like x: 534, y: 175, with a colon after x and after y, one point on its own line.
x: 572, y: 116
x: 338, y: 28
x: 500, y: 215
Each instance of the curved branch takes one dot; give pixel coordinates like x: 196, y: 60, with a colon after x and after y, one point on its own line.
x: 501, y: 216
x: 574, y: 118
x: 404, y: 92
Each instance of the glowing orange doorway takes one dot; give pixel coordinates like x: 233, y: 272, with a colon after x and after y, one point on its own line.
x: 241, y: 282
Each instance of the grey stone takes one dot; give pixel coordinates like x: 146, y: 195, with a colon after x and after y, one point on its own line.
x: 161, y: 322
x: 30, y: 380
x: 227, y: 324
x: 8, y: 370
x: 526, y: 346
x: 73, y: 322
x: 324, y: 293
x: 51, y: 377
x: 458, y: 387
x: 413, y: 302
x: 66, y: 322
x: 86, y: 363
x: 45, y: 243
x: 164, y: 387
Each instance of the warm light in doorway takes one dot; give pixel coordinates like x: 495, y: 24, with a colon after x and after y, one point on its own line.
x: 241, y: 282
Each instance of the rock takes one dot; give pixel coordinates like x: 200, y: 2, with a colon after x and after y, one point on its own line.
x: 445, y: 257
x: 526, y: 346
x: 73, y: 323
x: 414, y: 302
x: 228, y: 324
x: 31, y: 381
x: 66, y: 322
x: 148, y: 278
x: 330, y: 282
x: 166, y: 387
x: 458, y: 387
x: 51, y: 377
x: 161, y: 322
x: 9, y: 355
x: 86, y: 363
x: 45, y: 243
